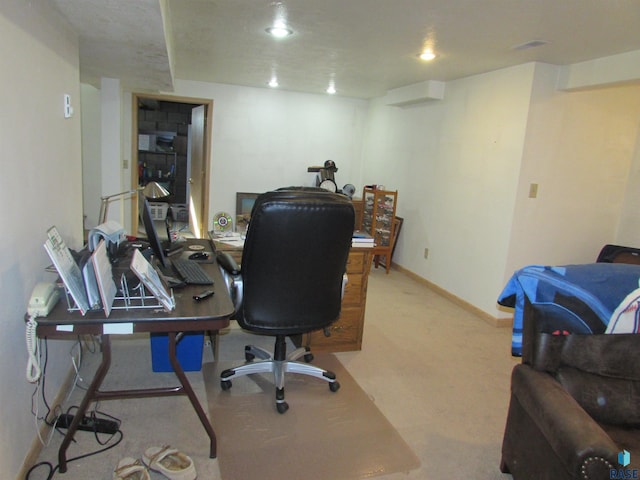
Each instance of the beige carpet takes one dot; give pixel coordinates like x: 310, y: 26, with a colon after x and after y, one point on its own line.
x: 324, y: 435
x: 438, y: 374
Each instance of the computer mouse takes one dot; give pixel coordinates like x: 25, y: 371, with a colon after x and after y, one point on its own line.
x: 199, y: 256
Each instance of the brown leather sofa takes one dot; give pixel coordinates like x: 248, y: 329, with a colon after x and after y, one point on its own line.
x: 574, y: 406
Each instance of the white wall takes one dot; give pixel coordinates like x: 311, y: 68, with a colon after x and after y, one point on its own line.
x: 40, y: 186
x: 578, y: 149
x: 628, y: 232
x: 455, y: 164
x: 463, y: 167
x: 265, y: 139
x: 91, y: 154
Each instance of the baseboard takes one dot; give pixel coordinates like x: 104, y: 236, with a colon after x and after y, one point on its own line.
x: 36, y: 446
x: 490, y: 319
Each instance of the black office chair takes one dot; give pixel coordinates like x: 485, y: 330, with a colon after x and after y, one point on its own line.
x: 291, y: 278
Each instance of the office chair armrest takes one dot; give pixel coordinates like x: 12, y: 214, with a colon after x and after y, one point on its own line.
x: 232, y: 278
x: 228, y: 264
x: 345, y: 280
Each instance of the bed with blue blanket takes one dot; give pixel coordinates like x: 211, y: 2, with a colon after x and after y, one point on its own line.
x: 584, y: 299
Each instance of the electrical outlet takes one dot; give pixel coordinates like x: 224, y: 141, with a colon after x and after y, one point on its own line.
x: 426, y: 253
x: 68, y: 109
x: 125, y: 164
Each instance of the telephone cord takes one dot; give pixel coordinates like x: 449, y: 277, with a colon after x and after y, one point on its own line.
x: 33, y: 364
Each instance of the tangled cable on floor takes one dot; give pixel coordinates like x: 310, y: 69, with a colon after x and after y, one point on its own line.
x: 53, y: 470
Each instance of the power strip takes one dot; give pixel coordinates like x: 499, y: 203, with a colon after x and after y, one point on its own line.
x: 97, y: 425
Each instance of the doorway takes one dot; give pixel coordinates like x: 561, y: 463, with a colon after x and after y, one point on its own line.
x: 171, y: 145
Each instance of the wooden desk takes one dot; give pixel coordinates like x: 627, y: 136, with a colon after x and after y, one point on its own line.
x: 189, y: 316
x: 346, y: 332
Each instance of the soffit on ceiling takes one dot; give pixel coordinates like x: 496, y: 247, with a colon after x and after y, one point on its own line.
x: 366, y: 46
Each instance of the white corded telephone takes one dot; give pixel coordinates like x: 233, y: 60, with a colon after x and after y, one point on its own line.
x: 43, y: 298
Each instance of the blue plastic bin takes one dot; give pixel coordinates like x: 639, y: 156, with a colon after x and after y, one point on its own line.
x: 188, y: 352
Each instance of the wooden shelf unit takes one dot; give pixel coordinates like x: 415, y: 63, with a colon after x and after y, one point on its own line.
x: 379, y: 220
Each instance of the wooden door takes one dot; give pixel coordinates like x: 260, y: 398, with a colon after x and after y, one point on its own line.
x: 197, y: 174
x: 198, y: 201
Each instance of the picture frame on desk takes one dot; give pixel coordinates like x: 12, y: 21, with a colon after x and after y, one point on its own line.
x: 244, y: 205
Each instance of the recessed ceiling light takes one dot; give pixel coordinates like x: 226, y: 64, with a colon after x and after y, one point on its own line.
x: 279, y: 27
x: 279, y: 31
x: 427, y: 55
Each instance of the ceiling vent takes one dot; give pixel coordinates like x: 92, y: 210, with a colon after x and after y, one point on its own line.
x: 531, y: 44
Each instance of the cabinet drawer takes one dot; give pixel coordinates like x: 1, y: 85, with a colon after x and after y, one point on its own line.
x: 346, y: 333
x: 353, y: 290
x: 356, y: 261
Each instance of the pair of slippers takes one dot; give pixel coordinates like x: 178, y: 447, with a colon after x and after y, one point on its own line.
x: 168, y: 461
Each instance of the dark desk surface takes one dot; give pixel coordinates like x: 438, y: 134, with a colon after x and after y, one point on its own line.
x: 210, y: 314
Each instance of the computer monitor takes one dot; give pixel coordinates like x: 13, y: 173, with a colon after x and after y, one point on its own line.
x: 150, y: 229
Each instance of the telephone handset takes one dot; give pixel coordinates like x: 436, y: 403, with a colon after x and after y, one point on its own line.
x: 44, y: 297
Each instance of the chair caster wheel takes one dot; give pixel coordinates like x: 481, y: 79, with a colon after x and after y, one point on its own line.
x: 334, y: 386
x: 225, y: 384
x: 282, y: 407
x: 308, y: 357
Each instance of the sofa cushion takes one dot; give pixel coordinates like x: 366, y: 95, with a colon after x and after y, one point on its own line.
x: 608, y: 400
x: 610, y: 355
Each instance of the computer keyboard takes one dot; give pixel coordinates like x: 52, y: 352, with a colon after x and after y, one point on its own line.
x: 191, y: 272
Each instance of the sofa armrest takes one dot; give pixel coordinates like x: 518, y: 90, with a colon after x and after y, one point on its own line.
x: 578, y: 441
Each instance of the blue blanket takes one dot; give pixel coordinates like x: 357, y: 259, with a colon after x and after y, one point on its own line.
x: 600, y: 287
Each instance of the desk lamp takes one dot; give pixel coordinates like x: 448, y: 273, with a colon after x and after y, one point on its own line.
x: 152, y: 190
x: 104, y: 204
x: 155, y: 191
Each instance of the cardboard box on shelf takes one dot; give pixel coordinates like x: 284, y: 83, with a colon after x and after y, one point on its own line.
x: 147, y: 142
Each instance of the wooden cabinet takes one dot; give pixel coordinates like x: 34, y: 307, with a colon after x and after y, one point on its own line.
x: 346, y: 332
x: 378, y: 218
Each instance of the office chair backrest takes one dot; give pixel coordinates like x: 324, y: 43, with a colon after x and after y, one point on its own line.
x: 293, y: 262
